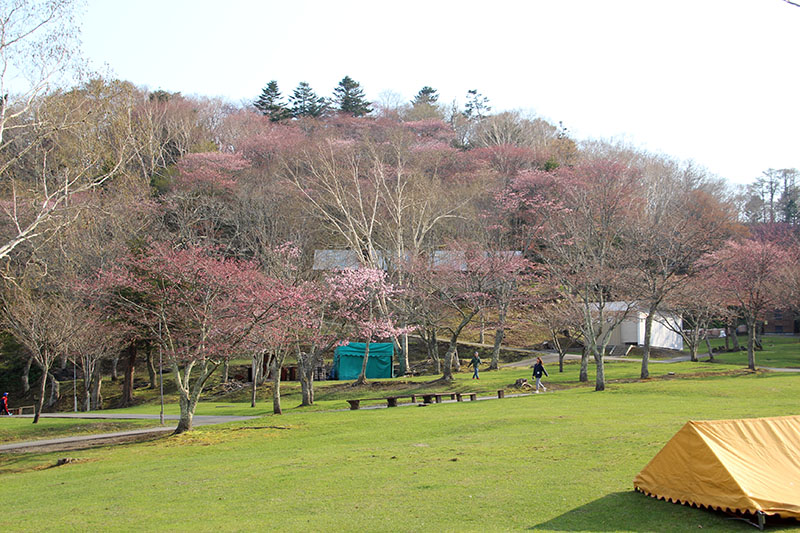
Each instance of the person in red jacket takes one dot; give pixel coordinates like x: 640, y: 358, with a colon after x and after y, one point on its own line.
x: 4, y: 405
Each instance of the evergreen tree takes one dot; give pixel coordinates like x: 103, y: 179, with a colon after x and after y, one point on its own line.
x: 425, y: 96
x: 477, y: 105
x: 350, y: 97
x: 304, y: 102
x: 269, y: 103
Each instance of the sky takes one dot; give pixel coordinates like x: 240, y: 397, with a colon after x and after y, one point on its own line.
x: 712, y: 81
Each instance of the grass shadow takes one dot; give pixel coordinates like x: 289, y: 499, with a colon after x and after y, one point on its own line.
x: 632, y: 511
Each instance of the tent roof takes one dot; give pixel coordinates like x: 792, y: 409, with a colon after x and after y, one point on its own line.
x: 745, y: 465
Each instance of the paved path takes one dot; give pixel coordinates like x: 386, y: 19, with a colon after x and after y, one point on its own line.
x: 198, y: 420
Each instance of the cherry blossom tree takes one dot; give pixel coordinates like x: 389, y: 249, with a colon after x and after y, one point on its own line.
x: 197, y: 305
x: 357, y: 294
x: 679, y: 221
x: 462, y: 281
x: 585, y: 251
x: 751, y: 274
x: 698, y: 302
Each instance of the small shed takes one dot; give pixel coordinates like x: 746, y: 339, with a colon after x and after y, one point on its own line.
x: 631, y: 330
x: 348, y: 360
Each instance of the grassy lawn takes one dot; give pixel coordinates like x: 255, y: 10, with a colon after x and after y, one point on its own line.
x: 332, y: 395
x: 18, y: 429
x: 561, y: 461
x: 778, y: 352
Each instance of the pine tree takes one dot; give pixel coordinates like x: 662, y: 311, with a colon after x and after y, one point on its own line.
x: 305, y: 102
x: 477, y: 105
x: 269, y: 103
x: 425, y: 96
x: 350, y: 97
x: 424, y: 107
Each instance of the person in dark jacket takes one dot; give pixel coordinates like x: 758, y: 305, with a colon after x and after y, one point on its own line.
x: 474, y: 362
x: 538, y: 370
x: 4, y: 405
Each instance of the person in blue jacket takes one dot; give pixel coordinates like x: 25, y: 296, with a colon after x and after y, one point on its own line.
x: 538, y: 370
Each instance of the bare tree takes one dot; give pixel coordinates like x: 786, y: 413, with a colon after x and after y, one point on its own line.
x: 43, y: 322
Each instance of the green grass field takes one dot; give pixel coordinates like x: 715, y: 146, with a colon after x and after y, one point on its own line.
x: 779, y: 352
x: 19, y: 429
x: 561, y: 461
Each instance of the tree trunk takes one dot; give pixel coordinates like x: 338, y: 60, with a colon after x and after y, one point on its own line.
x: 151, y: 368
x: 129, y: 356
x: 584, y: 373
x: 26, y: 385
x: 187, y: 414
x: 190, y: 395
x: 114, y: 361
x: 86, y: 393
x: 710, y: 350
x: 404, y: 364
x: 758, y: 333
x: 751, y: 343
x: 735, y: 339
x: 452, y: 348
x: 648, y: 330
x: 727, y: 338
x: 306, y: 363
x: 38, y: 397
x: 693, y: 342
x: 225, y: 368
x: 256, y: 370
x: 276, y: 386
x: 55, y: 390
x: 600, y: 380
x: 97, y: 396
x: 560, y: 348
x: 499, y: 336
x: 362, y: 377
x: 482, y: 335
x: 447, y: 374
x: 432, y: 346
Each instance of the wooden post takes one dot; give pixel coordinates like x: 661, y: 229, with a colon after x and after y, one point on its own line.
x: 501, y: 393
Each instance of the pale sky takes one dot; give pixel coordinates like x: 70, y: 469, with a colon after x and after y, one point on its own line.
x: 714, y: 81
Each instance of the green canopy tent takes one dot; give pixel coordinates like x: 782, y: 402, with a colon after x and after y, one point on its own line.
x: 347, y: 360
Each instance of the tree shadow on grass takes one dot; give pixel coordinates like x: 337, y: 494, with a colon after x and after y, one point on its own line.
x: 632, y: 511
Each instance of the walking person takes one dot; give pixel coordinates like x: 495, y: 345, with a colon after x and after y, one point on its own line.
x: 538, y: 370
x: 474, y: 362
x: 4, y: 405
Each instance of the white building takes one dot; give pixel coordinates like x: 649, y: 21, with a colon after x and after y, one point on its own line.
x: 631, y: 330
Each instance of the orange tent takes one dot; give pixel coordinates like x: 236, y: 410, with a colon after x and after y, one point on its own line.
x: 748, y: 465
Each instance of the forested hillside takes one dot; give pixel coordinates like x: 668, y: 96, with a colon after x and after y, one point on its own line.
x: 135, y: 220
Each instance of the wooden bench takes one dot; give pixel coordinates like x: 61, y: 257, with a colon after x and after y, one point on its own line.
x: 391, y: 401
x: 427, y: 398
x: 457, y: 396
